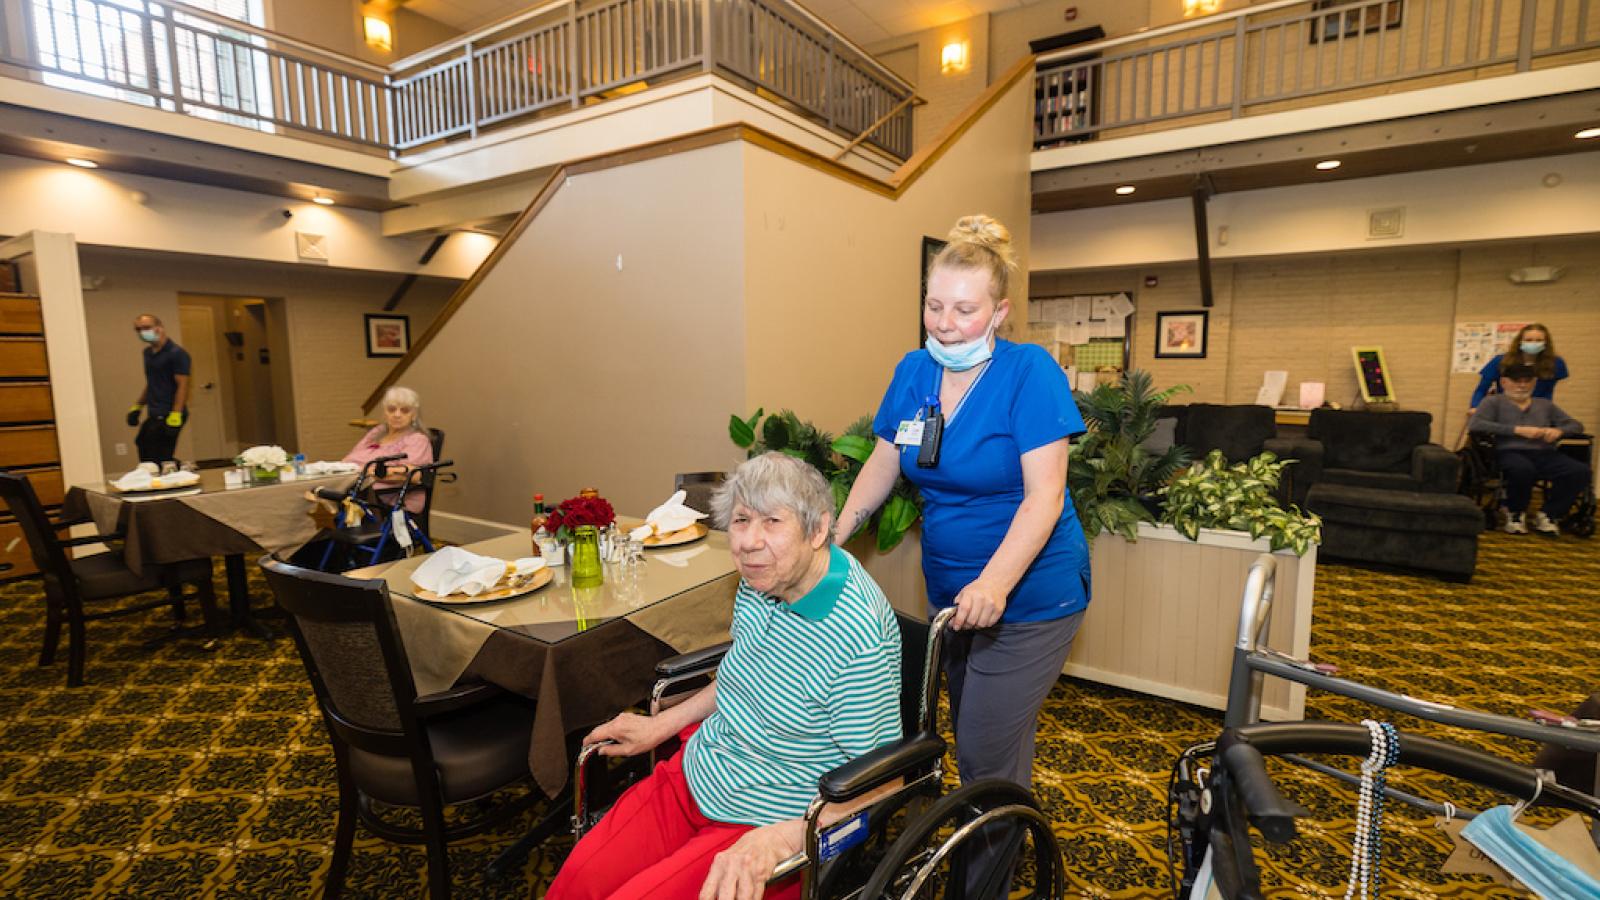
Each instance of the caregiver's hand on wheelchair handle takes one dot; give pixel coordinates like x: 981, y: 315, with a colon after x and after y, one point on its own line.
x: 741, y: 871
x: 633, y: 734
x: 979, y: 605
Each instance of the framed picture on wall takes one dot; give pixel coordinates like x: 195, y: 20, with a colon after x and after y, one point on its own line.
x: 930, y: 249
x: 1181, y: 335
x: 388, y: 335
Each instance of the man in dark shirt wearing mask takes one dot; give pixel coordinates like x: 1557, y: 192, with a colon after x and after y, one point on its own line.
x: 1526, y: 429
x: 166, y: 392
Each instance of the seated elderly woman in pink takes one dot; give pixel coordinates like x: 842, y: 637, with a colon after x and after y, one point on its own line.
x: 401, y: 432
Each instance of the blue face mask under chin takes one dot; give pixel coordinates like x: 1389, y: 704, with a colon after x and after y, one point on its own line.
x: 1546, y: 872
x: 964, y: 356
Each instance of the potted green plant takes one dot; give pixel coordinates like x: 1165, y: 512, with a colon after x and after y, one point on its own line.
x: 1238, y: 497
x: 1113, y: 479
x: 839, y: 460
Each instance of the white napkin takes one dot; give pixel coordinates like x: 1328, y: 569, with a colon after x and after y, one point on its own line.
x: 527, y: 565
x: 668, y: 517
x: 336, y: 467
x: 456, y: 571
x: 176, y: 479
x: 137, y: 480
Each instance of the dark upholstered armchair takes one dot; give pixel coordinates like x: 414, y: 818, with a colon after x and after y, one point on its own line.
x: 1385, y: 494
x: 1241, y: 431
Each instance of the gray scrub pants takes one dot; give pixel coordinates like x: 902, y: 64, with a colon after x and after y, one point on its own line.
x: 998, y: 680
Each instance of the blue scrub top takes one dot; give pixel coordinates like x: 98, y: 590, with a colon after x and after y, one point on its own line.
x: 1019, y: 403
x: 1489, y: 380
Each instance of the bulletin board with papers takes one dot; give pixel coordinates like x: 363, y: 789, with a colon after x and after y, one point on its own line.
x: 1477, y: 342
x: 1093, y: 330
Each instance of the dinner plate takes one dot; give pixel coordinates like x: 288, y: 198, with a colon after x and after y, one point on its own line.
x: 682, y: 536
x: 540, y: 579
x: 154, y: 488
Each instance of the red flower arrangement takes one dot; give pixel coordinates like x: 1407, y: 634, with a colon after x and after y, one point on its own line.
x: 575, y: 512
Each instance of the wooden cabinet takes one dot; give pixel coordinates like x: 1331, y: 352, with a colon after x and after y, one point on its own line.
x: 28, y: 443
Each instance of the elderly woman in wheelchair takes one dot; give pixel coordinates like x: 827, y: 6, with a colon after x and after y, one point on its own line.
x: 810, y: 682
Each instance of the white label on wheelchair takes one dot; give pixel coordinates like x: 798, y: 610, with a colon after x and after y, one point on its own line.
x: 400, y: 528
x: 842, y: 836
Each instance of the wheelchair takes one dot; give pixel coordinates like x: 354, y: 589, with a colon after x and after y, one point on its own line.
x: 909, y: 843
x: 1480, y: 480
x: 370, y: 528
x: 1210, y: 807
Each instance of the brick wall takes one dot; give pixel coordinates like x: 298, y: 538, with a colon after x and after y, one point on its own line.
x: 1303, y: 314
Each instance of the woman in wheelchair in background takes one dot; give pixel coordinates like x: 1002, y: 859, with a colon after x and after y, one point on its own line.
x: 401, y: 432
x: 812, y: 680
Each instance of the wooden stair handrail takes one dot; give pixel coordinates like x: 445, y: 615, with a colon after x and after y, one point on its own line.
x: 892, y: 187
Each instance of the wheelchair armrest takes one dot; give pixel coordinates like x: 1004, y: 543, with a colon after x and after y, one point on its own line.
x: 328, y: 493
x: 454, y: 699
x: 879, y: 767
x: 1435, y: 469
x: 91, y: 539
x: 704, y: 659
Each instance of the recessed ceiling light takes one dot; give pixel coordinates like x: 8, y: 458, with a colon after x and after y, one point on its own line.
x: 1126, y: 189
x: 322, y: 201
x: 1588, y: 133
x: 1329, y: 164
x: 82, y: 163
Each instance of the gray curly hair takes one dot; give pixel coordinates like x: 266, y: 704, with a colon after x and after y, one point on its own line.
x: 774, y: 481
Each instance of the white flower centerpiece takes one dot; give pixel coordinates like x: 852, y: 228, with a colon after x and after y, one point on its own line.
x: 264, y: 462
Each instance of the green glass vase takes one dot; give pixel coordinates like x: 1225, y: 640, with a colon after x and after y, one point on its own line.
x: 263, y: 475
x: 586, y: 570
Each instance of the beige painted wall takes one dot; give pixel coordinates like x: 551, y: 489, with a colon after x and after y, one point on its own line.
x: 322, y: 344
x: 1304, y: 313
x: 947, y: 94
x: 566, y: 371
x: 832, y: 272
x: 336, y: 25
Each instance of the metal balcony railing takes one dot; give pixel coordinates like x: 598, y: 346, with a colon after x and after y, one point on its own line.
x: 574, y: 52
x: 569, y: 53
x: 177, y: 57
x: 1236, y: 63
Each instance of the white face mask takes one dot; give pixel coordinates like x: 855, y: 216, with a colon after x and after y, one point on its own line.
x: 148, y: 335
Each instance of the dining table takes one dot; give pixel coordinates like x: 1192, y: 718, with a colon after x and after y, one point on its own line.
x: 208, y: 519
x: 582, y: 654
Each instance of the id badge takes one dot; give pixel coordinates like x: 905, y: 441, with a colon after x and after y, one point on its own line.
x: 909, y: 434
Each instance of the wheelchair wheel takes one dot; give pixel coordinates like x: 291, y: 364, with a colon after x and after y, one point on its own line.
x: 930, y: 858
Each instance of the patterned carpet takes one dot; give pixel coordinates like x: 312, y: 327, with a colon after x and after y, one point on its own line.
x: 182, y: 772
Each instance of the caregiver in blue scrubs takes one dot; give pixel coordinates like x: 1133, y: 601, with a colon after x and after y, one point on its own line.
x: 1000, y: 541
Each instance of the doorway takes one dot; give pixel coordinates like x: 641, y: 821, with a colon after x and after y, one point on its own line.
x: 231, y: 342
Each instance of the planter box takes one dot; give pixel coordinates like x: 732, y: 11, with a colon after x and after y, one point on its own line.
x: 1164, y: 613
x: 1164, y: 616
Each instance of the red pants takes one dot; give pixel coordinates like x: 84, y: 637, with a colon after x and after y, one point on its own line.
x: 653, y: 844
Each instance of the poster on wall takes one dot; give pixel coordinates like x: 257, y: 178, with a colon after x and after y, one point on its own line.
x: 1474, y: 344
x: 1504, y: 333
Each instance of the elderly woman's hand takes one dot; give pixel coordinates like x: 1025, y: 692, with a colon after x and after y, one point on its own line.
x: 633, y: 734
x: 979, y: 605
x: 741, y: 871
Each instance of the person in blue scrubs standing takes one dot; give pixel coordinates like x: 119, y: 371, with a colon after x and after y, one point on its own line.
x: 1000, y: 541
x: 1532, y: 346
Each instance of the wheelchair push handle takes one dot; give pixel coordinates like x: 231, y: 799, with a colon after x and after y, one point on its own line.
x: 328, y: 493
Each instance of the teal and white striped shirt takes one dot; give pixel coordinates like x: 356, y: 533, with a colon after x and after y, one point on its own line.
x: 806, y: 687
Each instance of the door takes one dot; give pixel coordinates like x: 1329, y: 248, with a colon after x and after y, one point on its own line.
x: 205, y: 427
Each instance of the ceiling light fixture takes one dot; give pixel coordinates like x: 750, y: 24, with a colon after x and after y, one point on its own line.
x: 322, y: 201
x: 82, y: 163
x: 1329, y: 165
x: 1588, y: 133
x: 1126, y: 189
x: 378, y: 32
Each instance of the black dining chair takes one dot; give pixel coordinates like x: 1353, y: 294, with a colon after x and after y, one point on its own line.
x: 82, y: 590
x: 698, y: 488
x: 393, y: 747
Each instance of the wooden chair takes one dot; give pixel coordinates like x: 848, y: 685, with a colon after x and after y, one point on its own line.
x: 75, y: 586
x: 392, y: 746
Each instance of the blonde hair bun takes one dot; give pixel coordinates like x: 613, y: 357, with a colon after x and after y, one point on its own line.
x: 986, y: 232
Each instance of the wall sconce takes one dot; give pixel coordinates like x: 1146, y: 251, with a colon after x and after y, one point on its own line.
x: 378, y: 33
x: 953, y: 58
x: 1192, y: 8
